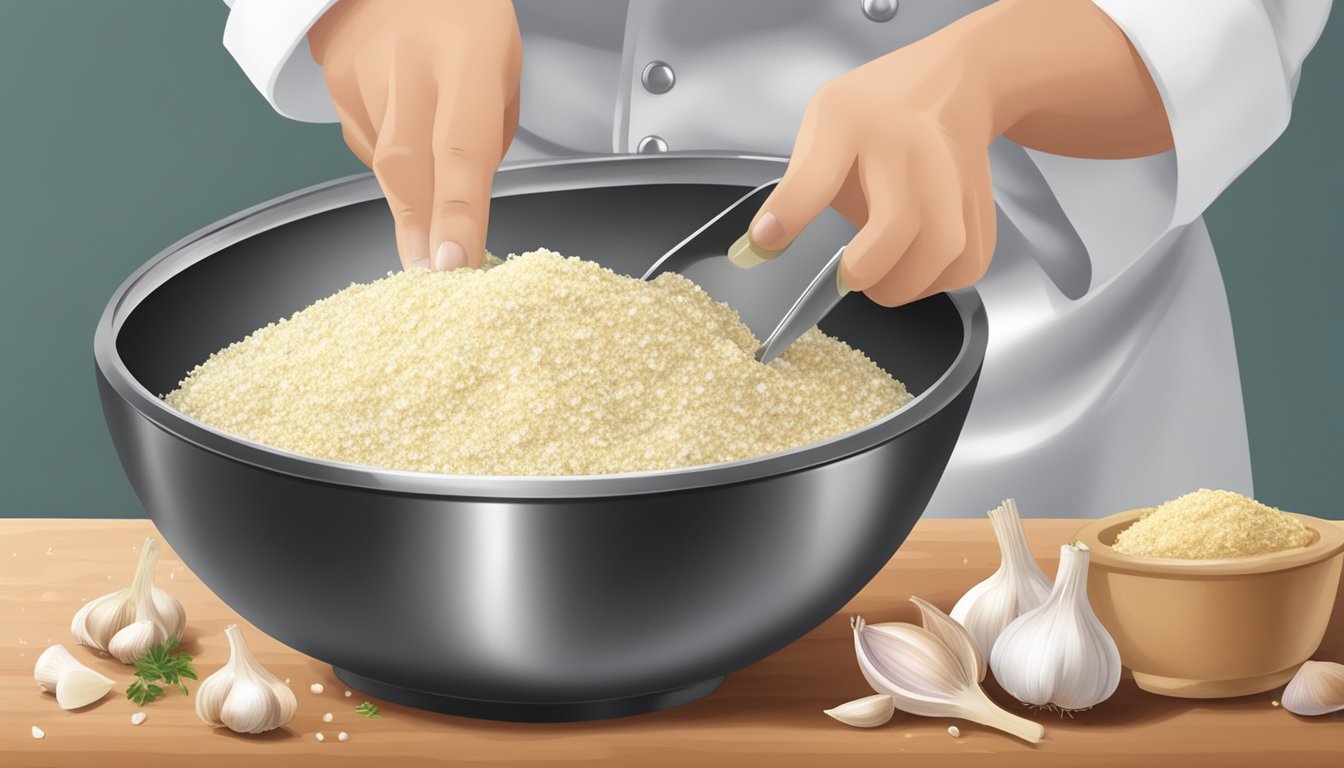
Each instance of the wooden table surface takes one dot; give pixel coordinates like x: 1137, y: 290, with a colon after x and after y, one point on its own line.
x: 768, y: 714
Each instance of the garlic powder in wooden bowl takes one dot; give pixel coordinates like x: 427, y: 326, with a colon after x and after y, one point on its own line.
x: 1211, y: 525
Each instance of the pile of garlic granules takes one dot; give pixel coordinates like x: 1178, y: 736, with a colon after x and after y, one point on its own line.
x: 542, y: 365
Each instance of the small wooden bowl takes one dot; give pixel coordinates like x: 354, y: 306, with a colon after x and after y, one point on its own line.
x: 1206, y: 629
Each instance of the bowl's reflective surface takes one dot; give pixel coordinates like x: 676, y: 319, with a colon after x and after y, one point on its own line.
x: 527, y: 598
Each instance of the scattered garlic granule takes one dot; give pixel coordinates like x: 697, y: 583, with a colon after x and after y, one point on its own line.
x: 316, y: 688
x: 138, y: 718
x: 342, y: 736
x: 38, y: 733
x: 327, y: 718
x: 319, y: 736
x: 1208, y: 525
x: 347, y: 694
x: 954, y: 731
x: 543, y: 366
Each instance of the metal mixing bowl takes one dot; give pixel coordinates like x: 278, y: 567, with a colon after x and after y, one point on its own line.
x: 519, y: 598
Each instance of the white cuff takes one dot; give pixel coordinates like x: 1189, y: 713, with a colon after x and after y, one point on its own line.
x: 1218, y: 68
x: 269, y: 39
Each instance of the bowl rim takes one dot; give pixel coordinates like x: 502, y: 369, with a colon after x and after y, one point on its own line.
x: 1328, y: 543
x: 513, y: 179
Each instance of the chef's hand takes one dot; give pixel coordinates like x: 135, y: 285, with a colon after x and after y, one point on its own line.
x: 427, y: 95
x: 900, y: 145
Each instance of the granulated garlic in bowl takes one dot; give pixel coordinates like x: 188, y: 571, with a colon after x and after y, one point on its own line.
x: 541, y: 365
x: 1209, y: 525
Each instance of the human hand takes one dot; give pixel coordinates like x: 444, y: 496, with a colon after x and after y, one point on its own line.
x: 427, y: 95
x: 900, y: 145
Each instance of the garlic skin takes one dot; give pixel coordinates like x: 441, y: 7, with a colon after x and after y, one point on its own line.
x: 1059, y: 653
x: 244, y: 696
x: 1316, y: 689
x: 925, y: 676
x: 1016, y: 587
x: 127, y: 622
x: 868, y: 712
x: 74, y: 684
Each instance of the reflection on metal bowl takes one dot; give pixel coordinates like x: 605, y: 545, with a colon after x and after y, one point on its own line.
x: 519, y: 598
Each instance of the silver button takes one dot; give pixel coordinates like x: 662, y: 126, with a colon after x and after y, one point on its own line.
x: 658, y: 77
x: 879, y: 10
x: 651, y: 145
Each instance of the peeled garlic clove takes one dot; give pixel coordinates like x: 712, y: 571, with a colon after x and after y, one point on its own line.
x: 1316, y: 689
x: 1016, y: 587
x: 868, y: 712
x: 74, y: 684
x: 134, y: 640
x: 81, y: 687
x: 1059, y: 654
x: 244, y: 696
x: 121, y: 618
x: 924, y: 676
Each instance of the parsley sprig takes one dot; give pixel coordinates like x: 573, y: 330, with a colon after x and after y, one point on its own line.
x: 367, y: 709
x: 160, y: 664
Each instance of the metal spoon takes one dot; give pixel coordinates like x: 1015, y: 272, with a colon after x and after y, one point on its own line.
x: 779, y: 299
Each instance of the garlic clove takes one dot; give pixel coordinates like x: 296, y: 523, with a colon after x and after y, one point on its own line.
x: 1316, y: 689
x: 74, y: 684
x: 51, y: 665
x: 954, y: 636
x: 1059, y: 653
x: 170, y: 610
x: 80, y: 687
x: 102, y: 617
x: 210, y: 696
x: 868, y: 712
x: 134, y: 640
x: 1016, y: 587
x: 923, y: 676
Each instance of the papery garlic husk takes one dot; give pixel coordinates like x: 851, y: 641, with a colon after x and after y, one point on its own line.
x: 127, y: 622
x: 244, y: 696
x: 868, y: 712
x: 1059, y: 654
x: 1316, y: 689
x: 925, y: 676
x: 1018, y: 586
x: 74, y: 684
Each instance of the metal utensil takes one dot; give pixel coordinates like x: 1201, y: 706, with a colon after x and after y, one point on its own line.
x: 780, y: 299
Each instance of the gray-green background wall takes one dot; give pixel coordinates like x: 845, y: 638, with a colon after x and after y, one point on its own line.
x: 126, y: 125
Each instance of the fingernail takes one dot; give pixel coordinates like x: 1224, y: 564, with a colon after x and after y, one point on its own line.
x: 450, y: 255
x: 745, y: 255
x: 420, y: 264
x: 767, y: 231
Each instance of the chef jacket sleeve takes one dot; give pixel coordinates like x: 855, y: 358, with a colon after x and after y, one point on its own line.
x: 1227, y: 71
x: 269, y: 40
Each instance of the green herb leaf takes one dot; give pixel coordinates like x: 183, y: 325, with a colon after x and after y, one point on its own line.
x: 367, y: 709
x: 160, y: 663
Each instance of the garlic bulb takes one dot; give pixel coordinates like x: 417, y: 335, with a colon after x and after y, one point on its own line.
x: 74, y: 684
x: 926, y: 676
x: 1316, y: 689
x: 243, y: 696
x: 1016, y: 587
x: 868, y: 712
x: 1059, y: 654
x: 127, y: 622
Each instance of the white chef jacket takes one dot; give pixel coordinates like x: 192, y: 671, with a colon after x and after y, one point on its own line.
x: 1110, y: 380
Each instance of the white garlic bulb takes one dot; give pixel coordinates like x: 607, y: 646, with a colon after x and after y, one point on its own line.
x: 74, y: 684
x: 1016, y: 587
x: 127, y: 622
x: 244, y: 696
x: 1316, y: 689
x: 926, y: 676
x: 1059, y: 653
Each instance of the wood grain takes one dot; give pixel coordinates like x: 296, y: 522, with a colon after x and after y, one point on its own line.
x: 768, y: 714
